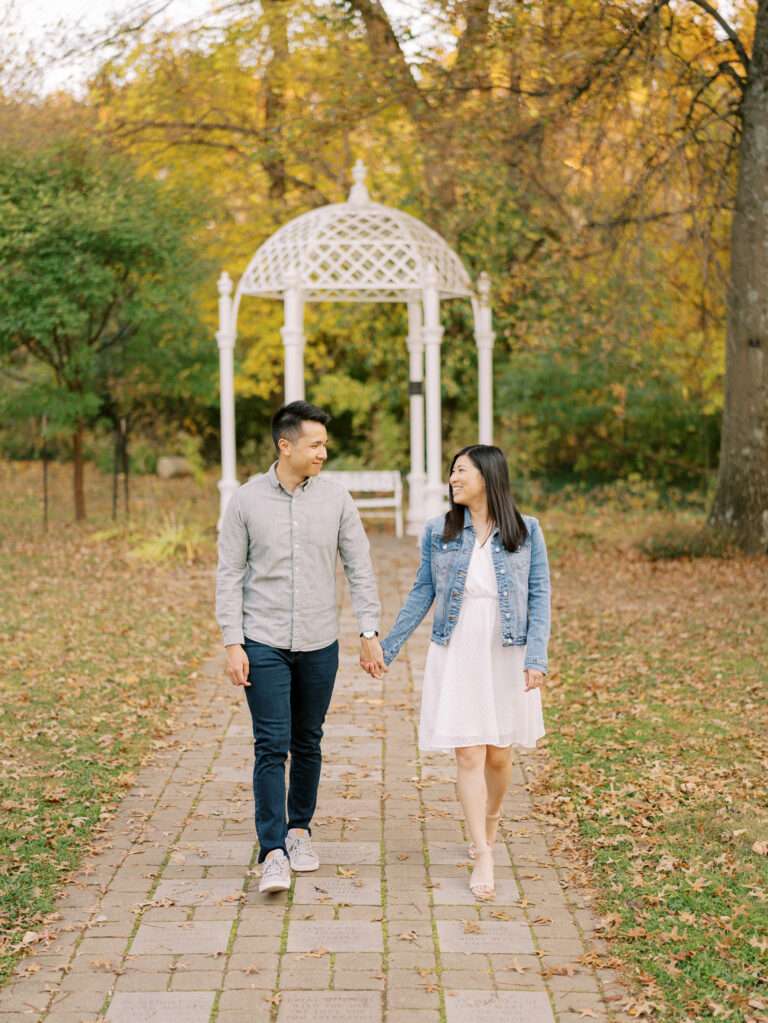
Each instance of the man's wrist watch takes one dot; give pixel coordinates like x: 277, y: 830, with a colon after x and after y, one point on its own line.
x: 369, y: 634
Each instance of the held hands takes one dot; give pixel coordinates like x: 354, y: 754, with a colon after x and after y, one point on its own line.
x: 237, y: 667
x: 533, y: 679
x: 372, y: 657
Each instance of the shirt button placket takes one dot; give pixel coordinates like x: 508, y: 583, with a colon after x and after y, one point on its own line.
x: 296, y: 569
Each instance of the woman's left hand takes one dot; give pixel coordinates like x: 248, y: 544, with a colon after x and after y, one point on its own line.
x: 533, y: 679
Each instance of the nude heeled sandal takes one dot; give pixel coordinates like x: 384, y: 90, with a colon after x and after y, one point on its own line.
x: 472, y: 852
x: 483, y: 889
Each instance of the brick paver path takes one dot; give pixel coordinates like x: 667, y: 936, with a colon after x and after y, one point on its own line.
x: 165, y: 924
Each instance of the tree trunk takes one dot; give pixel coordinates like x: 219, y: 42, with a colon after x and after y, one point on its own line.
x: 741, y: 499
x: 126, y: 462
x: 78, y: 476
x: 273, y: 160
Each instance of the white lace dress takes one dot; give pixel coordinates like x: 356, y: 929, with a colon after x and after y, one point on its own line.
x: 473, y: 691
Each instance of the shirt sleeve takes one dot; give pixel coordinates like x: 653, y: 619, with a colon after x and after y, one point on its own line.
x: 230, y: 574
x: 355, y: 553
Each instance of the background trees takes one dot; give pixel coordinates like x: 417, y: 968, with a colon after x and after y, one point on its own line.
x: 97, y: 277
x: 586, y: 154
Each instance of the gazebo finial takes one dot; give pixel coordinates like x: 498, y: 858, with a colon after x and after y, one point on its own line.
x: 225, y: 284
x: 358, y: 195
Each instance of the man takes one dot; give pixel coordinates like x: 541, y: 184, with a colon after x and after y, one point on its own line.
x: 276, y: 605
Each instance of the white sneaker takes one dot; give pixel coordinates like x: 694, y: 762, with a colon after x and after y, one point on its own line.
x: 275, y: 873
x: 300, y: 852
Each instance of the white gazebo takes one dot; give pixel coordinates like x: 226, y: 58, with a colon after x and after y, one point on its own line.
x: 362, y: 251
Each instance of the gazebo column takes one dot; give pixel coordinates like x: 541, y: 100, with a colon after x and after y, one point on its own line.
x: 293, y: 338
x: 484, y: 338
x: 225, y: 337
x: 432, y: 334
x: 416, y: 478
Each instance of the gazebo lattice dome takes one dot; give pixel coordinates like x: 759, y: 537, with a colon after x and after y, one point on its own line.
x: 363, y: 251
x: 356, y: 251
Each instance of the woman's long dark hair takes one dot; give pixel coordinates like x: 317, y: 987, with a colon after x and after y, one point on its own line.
x: 501, y: 506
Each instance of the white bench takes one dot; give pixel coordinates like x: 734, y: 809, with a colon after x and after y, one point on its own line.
x: 387, y: 486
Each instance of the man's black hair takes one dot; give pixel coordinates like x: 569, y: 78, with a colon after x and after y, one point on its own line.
x: 286, y: 422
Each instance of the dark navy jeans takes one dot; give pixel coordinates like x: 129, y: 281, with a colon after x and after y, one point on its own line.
x: 288, y: 698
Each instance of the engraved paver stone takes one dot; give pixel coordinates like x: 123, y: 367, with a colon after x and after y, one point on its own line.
x: 335, y: 935
x: 342, y: 730
x: 207, y: 892
x: 498, y: 1007
x: 348, y: 852
x: 454, y: 891
x: 161, y: 1007
x: 203, y: 937
x: 214, y: 854
x: 330, y: 1007
x: 231, y: 774
x: 240, y: 732
x: 349, y: 773
x: 445, y: 853
x: 354, y: 891
x: 348, y: 808
x: 492, y: 936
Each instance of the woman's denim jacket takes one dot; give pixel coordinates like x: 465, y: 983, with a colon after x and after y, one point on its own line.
x: 522, y: 577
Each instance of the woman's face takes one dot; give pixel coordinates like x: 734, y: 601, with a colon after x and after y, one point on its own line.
x: 466, y: 480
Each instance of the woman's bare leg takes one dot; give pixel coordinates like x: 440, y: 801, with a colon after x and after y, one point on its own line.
x: 498, y: 774
x: 473, y: 796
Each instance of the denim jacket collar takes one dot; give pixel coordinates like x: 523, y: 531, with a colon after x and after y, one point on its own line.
x: 468, y: 522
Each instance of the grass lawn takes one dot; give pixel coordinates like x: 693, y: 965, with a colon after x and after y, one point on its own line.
x: 656, y: 712
x: 97, y: 648
x: 657, y: 718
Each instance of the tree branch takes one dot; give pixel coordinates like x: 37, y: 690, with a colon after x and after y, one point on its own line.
x: 385, y: 48
x: 729, y: 31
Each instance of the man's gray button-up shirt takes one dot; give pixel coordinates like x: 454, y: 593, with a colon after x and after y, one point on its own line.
x: 276, y: 580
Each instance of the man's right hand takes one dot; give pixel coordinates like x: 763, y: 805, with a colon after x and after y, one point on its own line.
x: 237, y: 665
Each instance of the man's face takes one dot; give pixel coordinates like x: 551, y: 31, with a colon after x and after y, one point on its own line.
x: 308, y: 453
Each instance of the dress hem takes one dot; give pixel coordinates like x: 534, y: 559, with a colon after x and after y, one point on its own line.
x: 447, y: 746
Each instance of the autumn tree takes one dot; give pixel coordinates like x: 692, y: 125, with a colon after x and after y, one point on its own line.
x: 560, y: 146
x: 741, y: 502
x: 97, y: 281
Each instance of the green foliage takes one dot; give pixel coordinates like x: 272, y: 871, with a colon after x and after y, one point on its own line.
x: 598, y: 388
x: 98, y: 273
x: 176, y: 539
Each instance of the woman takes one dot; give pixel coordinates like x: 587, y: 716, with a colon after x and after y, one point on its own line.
x: 485, y: 566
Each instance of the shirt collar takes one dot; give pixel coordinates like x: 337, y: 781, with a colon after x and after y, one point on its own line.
x: 273, y: 479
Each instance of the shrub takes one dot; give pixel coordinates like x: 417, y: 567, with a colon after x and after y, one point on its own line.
x: 175, y: 540
x: 686, y: 540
